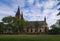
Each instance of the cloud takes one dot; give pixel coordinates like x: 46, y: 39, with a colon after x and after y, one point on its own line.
x: 6, y: 10
x: 48, y: 4
x: 30, y: 1
x: 35, y: 13
x: 52, y: 18
x: 32, y: 9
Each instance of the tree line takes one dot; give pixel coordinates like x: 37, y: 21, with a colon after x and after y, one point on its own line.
x: 11, y: 24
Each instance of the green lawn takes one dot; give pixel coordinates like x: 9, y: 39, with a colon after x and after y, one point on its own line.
x: 29, y: 37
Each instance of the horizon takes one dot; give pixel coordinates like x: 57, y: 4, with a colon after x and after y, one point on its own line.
x: 33, y: 10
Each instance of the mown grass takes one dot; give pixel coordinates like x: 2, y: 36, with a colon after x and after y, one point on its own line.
x: 29, y: 37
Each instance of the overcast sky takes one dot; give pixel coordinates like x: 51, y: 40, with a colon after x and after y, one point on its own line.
x: 33, y: 10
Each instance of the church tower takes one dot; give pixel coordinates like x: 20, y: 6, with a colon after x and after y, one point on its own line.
x: 45, y: 25
x: 18, y: 12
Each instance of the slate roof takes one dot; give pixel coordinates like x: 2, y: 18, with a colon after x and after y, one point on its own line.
x: 32, y: 23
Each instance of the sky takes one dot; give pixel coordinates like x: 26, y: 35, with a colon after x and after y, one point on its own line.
x: 33, y: 10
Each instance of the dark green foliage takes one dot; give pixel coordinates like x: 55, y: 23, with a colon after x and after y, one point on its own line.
x: 56, y: 29
x: 7, y: 19
x: 13, y: 24
x: 37, y: 24
x: 1, y: 27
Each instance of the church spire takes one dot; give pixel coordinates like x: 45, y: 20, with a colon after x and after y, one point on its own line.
x: 45, y: 18
x: 18, y: 12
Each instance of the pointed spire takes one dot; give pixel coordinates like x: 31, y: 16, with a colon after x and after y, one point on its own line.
x: 45, y: 18
x: 18, y: 12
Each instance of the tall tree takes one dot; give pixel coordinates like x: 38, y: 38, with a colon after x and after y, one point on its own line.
x: 8, y: 23
x: 58, y: 9
x: 7, y: 19
x: 37, y: 24
x: 56, y: 27
x: 14, y: 24
x: 1, y: 27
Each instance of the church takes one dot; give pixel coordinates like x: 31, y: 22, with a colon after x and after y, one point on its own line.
x: 42, y: 28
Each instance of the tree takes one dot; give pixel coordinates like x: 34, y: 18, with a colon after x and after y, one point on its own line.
x: 1, y: 27
x: 58, y: 21
x: 56, y: 27
x: 14, y: 24
x: 23, y: 24
x: 37, y: 25
x: 7, y: 19
x: 8, y: 23
x: 19, y: 24
x: 58, y: 9
x: 55, y: 30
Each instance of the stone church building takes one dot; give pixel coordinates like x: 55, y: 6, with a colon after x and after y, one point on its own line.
x: 43, y: 27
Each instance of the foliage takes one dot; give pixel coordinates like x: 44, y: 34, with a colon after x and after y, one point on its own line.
x: 37, y: 24
x: 14, y: 24
x: 7, y: 19
x: 56, y: 29
x: 1, y: 27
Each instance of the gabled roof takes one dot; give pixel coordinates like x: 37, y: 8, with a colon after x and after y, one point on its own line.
x: 32, y: 23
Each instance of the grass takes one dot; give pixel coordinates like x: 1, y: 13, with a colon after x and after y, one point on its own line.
x: 29, y: 37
